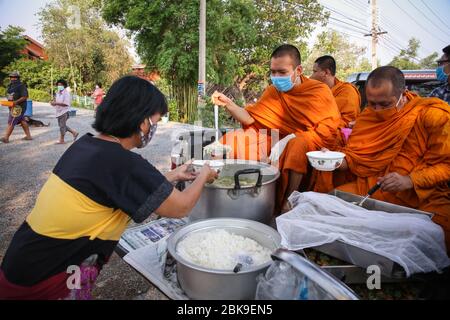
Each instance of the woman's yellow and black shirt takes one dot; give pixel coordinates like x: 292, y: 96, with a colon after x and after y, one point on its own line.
x: 96, y: 188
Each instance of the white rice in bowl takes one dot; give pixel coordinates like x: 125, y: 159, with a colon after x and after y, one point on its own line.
x: 219, y: 249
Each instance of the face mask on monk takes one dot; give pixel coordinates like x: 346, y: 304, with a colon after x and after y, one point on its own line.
x: 387, y: 114
x: 284, y: 84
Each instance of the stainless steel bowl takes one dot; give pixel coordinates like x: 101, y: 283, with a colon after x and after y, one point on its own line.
x: 206, y: 284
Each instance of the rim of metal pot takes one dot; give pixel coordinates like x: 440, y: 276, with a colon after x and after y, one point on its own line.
x: 267, y: 166
x: 172, y: 247
x: 333, y: 286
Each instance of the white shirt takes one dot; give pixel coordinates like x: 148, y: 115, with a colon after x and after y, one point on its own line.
x: 65, y: 98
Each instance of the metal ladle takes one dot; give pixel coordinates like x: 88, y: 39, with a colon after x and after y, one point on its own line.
x: 369, y: 194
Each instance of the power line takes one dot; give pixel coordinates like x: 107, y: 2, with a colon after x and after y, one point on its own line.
x: 346, y: 28
x: 349, y: 24
x: 439, y: 18
x: 349, y: 34
x: 345, y: 16
x: 412, y: 18
x: 432, y: 22
x: 356, y: 6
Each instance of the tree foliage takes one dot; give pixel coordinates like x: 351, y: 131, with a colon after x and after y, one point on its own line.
x: 77, y: 37
x: 38, y: 74
x: 11, y: 43
x: 241, y: 34
x: 408, y: 59
x: 349, y: 56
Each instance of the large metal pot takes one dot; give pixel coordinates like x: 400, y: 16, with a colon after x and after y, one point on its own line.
x: 251, y: 202
x: 206, y: 284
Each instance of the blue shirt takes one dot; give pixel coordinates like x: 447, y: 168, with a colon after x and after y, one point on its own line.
x: 442, y: 92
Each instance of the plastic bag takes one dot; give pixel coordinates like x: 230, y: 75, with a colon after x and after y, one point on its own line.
x: 412, y: 240
x: 283, y: 282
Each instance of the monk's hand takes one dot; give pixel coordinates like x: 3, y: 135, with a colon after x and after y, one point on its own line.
x: 351, y: 124
x: 220, y: 99
x: 394, y: 182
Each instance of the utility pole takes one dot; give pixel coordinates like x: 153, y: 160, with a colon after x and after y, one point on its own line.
x: 374, y: 33
x: 202, y: 51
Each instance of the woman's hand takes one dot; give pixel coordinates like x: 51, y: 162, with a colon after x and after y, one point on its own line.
x: 182, y: 173
x: 185, y: 172
x: 210, y: 174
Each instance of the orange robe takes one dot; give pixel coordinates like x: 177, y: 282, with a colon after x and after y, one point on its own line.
x: 415, y: 142
x: 309, y: 111
x: 348, y: 101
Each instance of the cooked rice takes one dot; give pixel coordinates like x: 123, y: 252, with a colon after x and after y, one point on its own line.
x: 219, y: 249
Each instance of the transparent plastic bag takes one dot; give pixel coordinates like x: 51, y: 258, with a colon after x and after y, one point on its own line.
x: 282, y: 282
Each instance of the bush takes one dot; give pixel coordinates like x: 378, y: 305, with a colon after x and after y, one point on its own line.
x: 173, y: 110
x: 39, y: 95
x: 81, y: 102
x: 2, y: 92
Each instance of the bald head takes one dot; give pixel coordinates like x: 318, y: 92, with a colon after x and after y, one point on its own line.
x: 327, y: 63
x: 382, y: 75
x: 287, y: 50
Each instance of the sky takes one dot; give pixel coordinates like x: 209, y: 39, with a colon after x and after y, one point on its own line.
x: 427, y: 20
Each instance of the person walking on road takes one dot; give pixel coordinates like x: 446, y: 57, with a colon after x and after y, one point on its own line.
x: 18, y: 95
x: 62, y: 105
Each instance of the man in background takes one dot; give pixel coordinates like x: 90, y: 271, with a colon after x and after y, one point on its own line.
x: 442, y: 73
x: 17, y: 94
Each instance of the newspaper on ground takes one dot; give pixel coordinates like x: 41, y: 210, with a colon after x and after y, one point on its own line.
x: 147, y: 253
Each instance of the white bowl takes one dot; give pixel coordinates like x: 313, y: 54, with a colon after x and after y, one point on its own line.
x: 216, y: 165
x: 325, y: 161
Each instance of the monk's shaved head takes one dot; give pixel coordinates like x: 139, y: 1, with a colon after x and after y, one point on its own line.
x: 327, y: 63
x: 288, y: 50
x: 388, y: 74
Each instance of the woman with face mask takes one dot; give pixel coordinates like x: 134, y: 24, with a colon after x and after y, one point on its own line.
x: 98, y: 186
x: 62, y: 105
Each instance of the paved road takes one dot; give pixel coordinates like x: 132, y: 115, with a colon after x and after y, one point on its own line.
x: 26, y: 165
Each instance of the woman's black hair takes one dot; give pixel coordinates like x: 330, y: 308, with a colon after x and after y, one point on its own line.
x: 128, y: 102
x: 63, y: 82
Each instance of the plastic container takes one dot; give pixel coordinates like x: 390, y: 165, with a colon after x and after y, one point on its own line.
x: 29, y: 110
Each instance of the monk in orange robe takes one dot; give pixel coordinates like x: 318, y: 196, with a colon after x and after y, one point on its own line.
x: 347, y: 95
x: 402, y: 142
x: 294, y: 107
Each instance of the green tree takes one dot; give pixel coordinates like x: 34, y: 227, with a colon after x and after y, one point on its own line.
x: 38, y: 74
x: 349, y: 56
x: 408, y: 59
x: 241, y: 34
x: 430, y: 61
x: 11, y: 43
x: 167, y: 40
x: 276, y: 22
x: 77, y: 37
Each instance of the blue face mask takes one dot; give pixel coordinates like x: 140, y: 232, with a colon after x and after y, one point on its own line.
x: 283, y: 84
x: 441, y: 75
